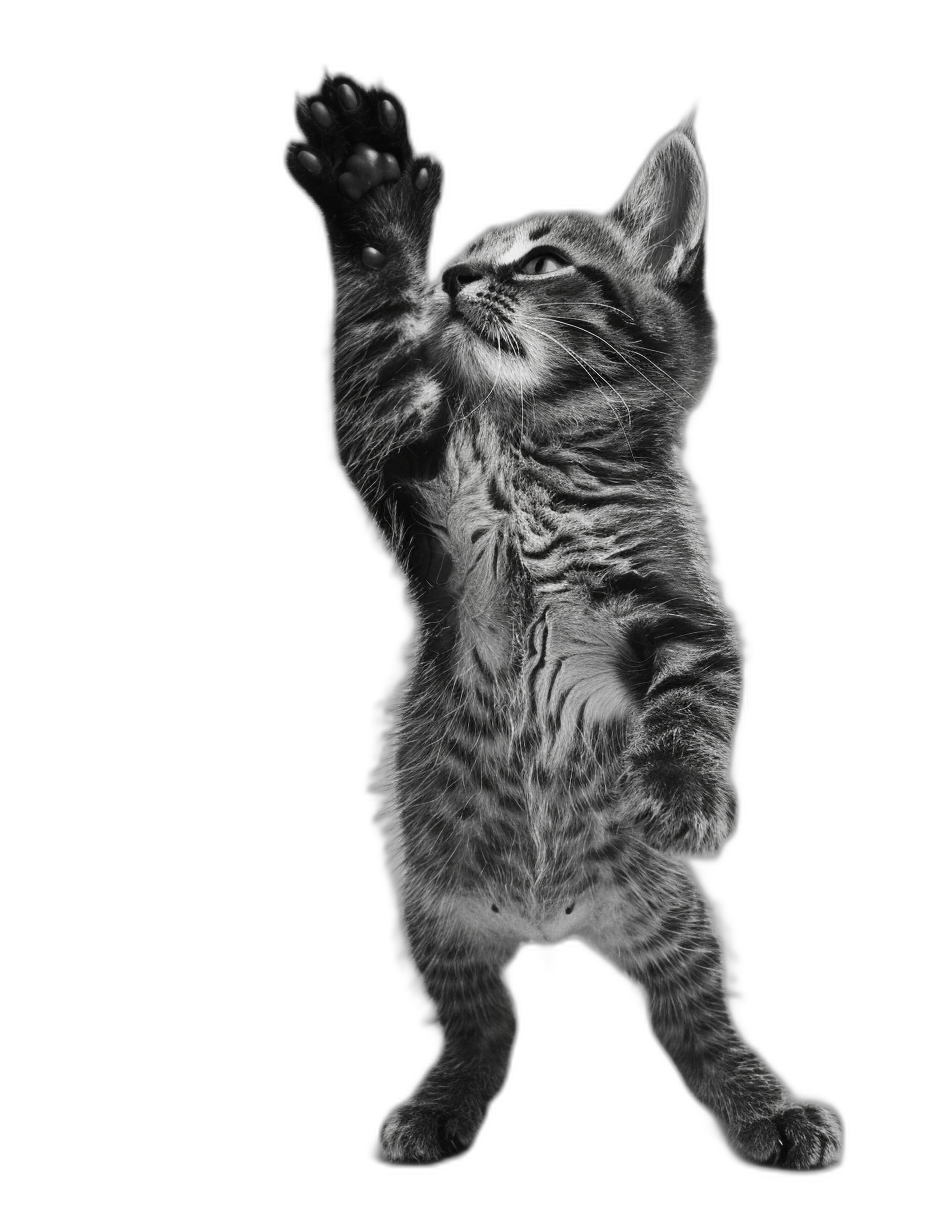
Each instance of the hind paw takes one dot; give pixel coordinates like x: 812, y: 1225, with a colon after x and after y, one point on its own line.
x: 420, y: 1133
x: 803, y: 1137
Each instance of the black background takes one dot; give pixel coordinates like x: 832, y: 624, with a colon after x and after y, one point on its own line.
x: 317, y: 616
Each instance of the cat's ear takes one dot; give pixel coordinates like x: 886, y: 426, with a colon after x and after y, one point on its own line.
x: 663, y: 214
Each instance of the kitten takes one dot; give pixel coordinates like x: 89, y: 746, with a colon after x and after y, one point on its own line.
x: 563, y: 741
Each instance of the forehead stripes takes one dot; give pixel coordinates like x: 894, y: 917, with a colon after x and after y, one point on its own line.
x: 509, y: 244
x: 585, y: 238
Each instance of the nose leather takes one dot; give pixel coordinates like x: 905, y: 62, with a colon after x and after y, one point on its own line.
x: 457, y: 276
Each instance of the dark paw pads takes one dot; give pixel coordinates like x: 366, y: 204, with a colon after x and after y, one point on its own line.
x: 356, y: 140
x: 804, y: 1137
x: 358, y: 166
x: 310, y: 162
x: 365, y: 169
x: 389, y: 116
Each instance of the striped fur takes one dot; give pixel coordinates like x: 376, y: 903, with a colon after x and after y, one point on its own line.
x: 564, y: 738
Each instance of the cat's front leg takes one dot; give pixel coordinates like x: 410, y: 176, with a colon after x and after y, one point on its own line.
x: 676, y: 778
x: 378, y: 200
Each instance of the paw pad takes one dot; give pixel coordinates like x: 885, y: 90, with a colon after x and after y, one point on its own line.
x: 358, y: 166
x: 365, y: 169
x: 388, y: 115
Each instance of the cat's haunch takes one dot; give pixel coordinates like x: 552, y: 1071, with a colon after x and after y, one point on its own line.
x: 564, y: 738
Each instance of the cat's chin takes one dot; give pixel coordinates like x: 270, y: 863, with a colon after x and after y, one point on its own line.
x: 483, y: 363
x: 487, y: 327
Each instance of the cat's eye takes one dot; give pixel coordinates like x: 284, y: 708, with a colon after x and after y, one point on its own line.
x: 542, y: 262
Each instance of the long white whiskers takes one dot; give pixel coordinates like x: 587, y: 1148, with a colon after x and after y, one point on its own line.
x: 499, y: 373
x: 593, y: 374
x: 590, y: 303
x: 624, y: 359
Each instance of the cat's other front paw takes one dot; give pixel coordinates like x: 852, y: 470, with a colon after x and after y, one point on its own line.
x: 802, y: 1137
x: 679, y: 806
x: 423, y: 1133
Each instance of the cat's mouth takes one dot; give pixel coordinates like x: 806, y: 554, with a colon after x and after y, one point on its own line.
x: 486, y: 321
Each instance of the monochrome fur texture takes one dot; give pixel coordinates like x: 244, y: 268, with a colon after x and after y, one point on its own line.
x: 564, y: 738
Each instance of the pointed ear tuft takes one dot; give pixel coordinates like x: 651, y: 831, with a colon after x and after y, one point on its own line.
x: 663, y: 214
x: 687, y: 126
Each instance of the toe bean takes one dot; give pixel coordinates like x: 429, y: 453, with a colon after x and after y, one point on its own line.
x: 351, y: 186
x: 364, y: 158
x: 309, y: 162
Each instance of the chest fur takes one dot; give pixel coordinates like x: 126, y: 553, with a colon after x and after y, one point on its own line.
x: 527, y: 636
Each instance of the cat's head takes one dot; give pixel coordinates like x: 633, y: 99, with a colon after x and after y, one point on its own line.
x: 561, y: 319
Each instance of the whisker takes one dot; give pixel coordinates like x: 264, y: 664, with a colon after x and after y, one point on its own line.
x: 512, y: 338
x: 598, y: 303
x: 624, y: 359
x: 590, y: 303
x: 499, y: 372
x: 591, y: 373
x: 522, y: 406
x: 585, y: 363
x: 637, y: 351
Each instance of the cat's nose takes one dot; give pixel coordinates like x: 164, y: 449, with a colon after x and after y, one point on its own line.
x: 456, y: 277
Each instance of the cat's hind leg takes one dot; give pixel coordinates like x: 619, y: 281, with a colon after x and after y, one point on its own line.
x: 462, y: 974
x: 653, y: 922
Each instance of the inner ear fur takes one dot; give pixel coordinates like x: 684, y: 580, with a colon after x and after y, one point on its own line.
x: 663, y: 214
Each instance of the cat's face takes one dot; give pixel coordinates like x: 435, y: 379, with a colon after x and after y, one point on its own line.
x: 575, y: 316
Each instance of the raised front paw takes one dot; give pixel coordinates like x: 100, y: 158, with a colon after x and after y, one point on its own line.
x: 358, y: 166
x: 804, y: 1136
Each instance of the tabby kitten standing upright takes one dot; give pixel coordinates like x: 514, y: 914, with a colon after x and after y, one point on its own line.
x: 563, y: 741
